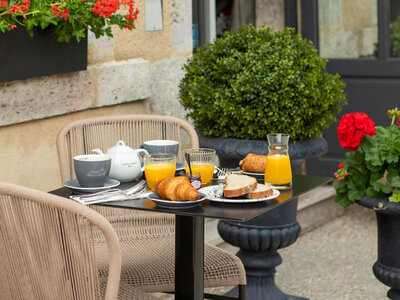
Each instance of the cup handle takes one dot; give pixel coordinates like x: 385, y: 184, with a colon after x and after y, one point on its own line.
x: 98, y: 151
x: 143, y: 153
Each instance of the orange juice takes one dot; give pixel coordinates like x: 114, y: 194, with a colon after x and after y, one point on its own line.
x: 278, y: 170
x: 205, y: 170
x: 158, y: 171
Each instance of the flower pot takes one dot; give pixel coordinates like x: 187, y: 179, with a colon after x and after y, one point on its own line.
x: 230, y: 151
x: 24, y: 57
x: 387, y: 268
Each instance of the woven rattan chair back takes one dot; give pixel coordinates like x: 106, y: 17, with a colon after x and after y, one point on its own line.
x: 82, y: 136
x: 47, y: 248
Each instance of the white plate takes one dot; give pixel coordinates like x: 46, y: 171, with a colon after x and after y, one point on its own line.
x: 254, y: 174
x: 74, y: 186
x: 210, y: 191
x: 176, y: 204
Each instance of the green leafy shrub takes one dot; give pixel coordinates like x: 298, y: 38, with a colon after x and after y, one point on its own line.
x: 395, y: 37
x: 259, y: 81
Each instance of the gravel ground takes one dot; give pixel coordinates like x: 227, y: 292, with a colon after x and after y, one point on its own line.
x: 333, y: 262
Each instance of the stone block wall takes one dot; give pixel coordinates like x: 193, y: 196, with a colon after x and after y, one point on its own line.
x: 135, y: 72
x: 347, y: 28
x: 270, y: 12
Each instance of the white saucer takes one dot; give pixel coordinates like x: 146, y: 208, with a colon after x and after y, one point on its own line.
x: 74, y: 186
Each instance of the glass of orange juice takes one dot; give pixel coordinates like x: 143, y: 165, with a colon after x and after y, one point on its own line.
x: 278, y: 171
x: 202, y: 161
x: 159, y: 166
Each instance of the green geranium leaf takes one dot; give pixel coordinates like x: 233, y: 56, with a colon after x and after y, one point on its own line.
x: 395, y: 197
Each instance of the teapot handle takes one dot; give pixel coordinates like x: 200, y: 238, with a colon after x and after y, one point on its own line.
x: 98, y: 151
x: 143, y: 152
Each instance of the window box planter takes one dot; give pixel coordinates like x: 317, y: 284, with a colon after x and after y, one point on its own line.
x: 24, y: 57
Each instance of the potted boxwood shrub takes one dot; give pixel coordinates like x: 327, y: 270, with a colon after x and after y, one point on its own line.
x: 369, y: 175
x: 246, y: 85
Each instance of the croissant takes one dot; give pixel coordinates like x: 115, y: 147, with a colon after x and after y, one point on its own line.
x: 253, y: 163
x: 177, y: 189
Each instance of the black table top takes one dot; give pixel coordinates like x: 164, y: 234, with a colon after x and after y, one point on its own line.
x: 208, y: 209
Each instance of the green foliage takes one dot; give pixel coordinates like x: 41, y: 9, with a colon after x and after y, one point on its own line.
x: 374, y: 169
x: 259, y: 81
x: 395, y: 37
x: 79, y: 17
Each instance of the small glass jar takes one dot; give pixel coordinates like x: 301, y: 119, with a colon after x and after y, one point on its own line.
x: 195, y: 180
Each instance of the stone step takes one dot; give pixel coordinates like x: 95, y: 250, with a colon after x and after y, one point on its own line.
x: 315, y: 209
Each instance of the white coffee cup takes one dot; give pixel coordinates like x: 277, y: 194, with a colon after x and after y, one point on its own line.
x: 161, y: 146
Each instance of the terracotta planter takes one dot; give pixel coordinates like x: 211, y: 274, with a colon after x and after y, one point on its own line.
x: 387, y: 268
x: 23, y: 57
x: 230, y: 151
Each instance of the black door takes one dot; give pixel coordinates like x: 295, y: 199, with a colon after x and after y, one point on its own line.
x: 361, y: 40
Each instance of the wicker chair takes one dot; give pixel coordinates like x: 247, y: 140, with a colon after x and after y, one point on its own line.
x: 47, y: 249
x: 81, y: 137
x: 139, y: 231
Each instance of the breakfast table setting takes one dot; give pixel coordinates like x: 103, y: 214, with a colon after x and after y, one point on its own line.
x: 158, y: 177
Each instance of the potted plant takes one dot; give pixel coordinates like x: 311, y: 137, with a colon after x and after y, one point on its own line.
x: 70, y: 18
x: 246, y: 85
x: 51, y: 23
x: 369, y: 175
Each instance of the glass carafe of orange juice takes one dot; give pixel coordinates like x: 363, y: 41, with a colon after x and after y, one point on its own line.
x: 278, y: 171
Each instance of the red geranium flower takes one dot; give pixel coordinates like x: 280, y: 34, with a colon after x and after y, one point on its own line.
x: 64, y: 14
x: 352, y: 128
x: 341, y: 166
x: 54, y: 10
x: 398, y: 122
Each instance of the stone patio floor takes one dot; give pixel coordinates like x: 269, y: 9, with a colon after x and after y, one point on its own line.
x: 333, y: 262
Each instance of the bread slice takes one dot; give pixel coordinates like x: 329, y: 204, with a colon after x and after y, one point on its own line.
x: 238, y: 185
x: 261, y: 191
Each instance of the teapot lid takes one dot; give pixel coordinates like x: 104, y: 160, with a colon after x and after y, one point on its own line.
x: 120, y: 147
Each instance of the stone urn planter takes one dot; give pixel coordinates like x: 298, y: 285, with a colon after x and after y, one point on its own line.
x: 259, y: 241
x: 230, y: 151
x: 387, y: 268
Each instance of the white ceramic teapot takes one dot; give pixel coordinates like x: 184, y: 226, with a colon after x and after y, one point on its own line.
x: 125, y: 162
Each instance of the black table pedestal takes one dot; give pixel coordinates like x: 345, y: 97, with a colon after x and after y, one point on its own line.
x: 189, y: 258
x: 258, y: 240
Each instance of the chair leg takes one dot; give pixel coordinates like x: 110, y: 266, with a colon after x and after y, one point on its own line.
x: 242, y: 292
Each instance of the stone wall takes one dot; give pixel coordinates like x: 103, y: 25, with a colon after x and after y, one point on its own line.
x: 270, y: 12
x: 347, y: 28
x: 122, y: 72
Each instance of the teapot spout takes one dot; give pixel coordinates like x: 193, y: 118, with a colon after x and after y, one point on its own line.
x: 98, y: 151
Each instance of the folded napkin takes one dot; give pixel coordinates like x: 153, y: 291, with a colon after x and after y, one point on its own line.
x: 120, y: 197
